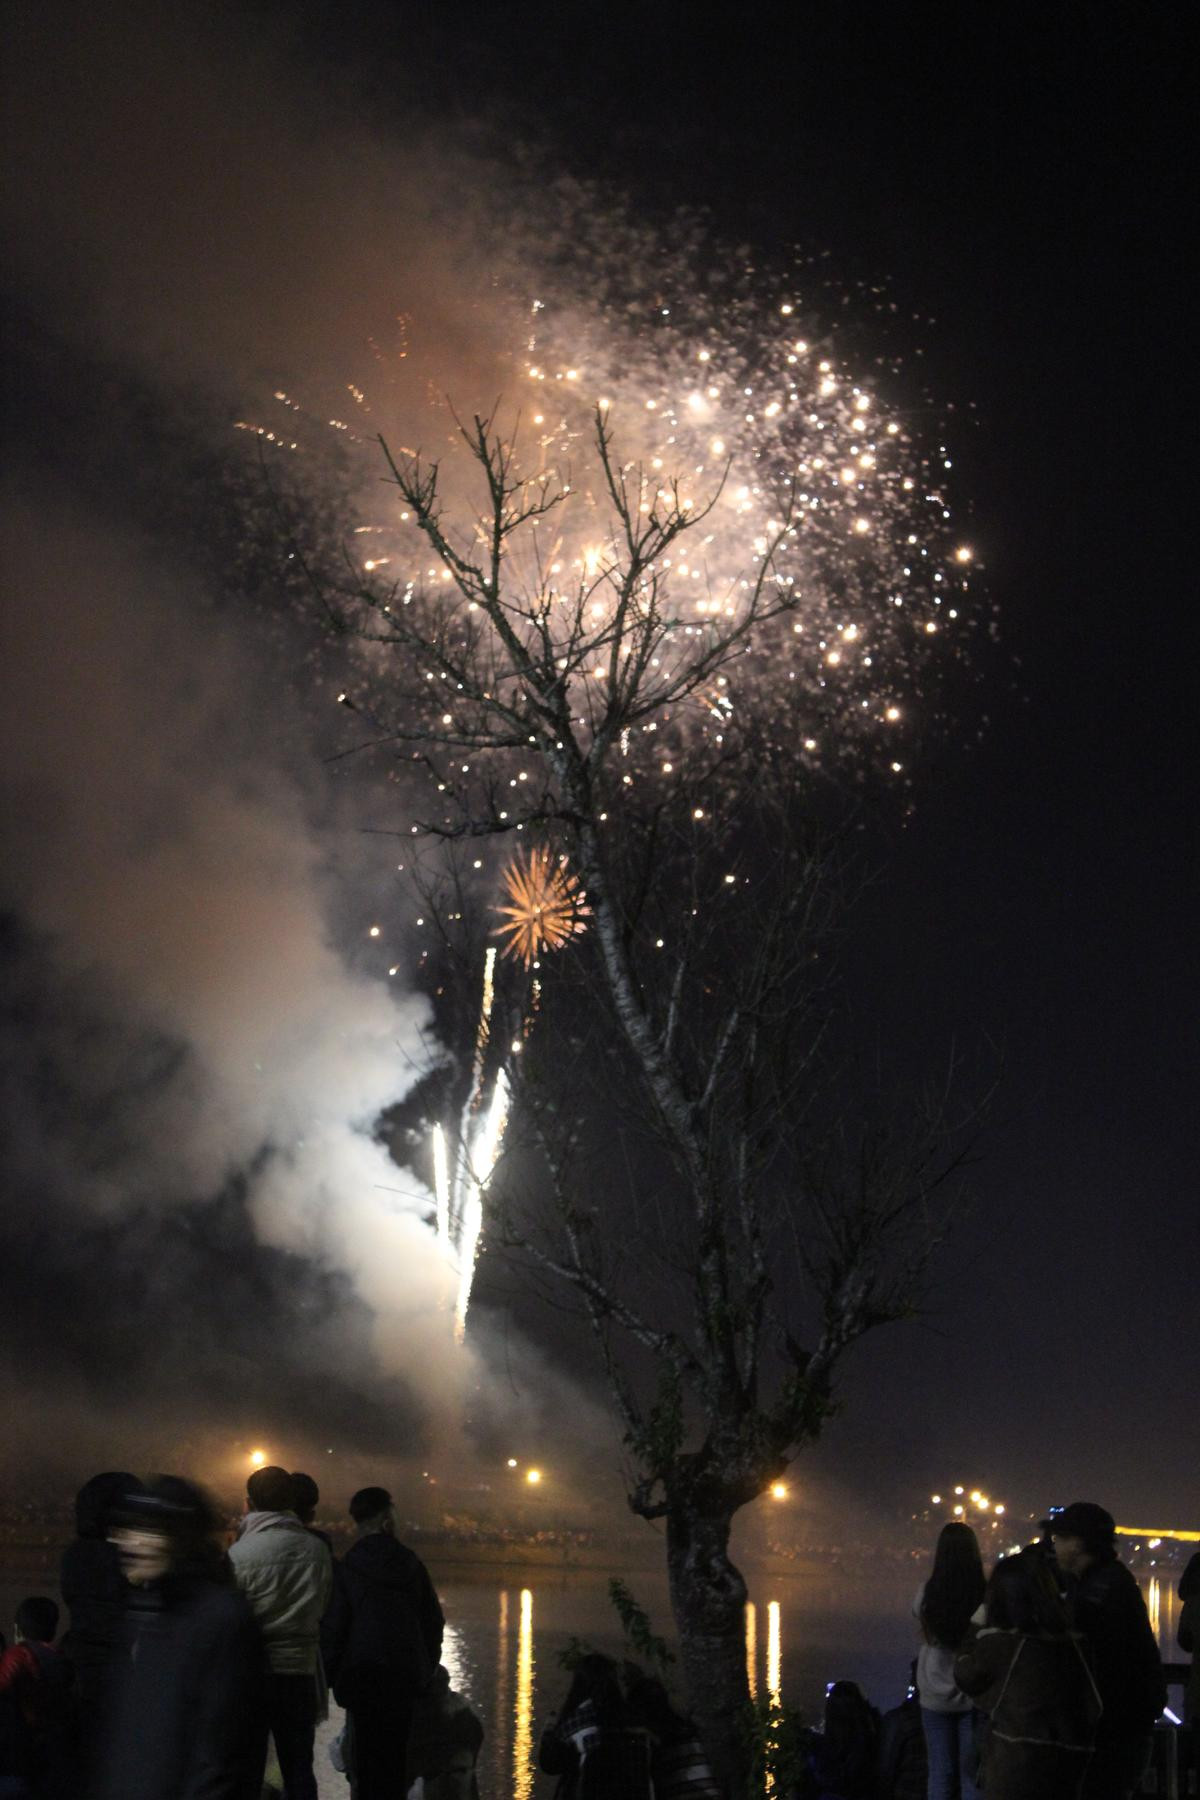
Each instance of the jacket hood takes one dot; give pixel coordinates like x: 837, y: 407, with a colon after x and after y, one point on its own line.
x: 270, y: 1521
x: 379, y: 1557
x: 96, y: 1499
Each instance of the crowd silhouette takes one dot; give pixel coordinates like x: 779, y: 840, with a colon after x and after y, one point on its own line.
x: 198, y: 1663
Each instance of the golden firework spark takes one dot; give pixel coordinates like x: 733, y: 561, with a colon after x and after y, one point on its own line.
x: 546, y: 906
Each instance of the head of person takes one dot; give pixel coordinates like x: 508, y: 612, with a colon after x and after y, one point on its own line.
x: 1022, y: 1595
x: 650, y: 1704
x: 1189, y: 1581
x: 37, y: 1620
x: 955, y: 1588
x: 848, y: 1717
x: 305, y: 1495
x: 96, y: 1499
x: 372, y: 1510
x: 1082, y: 1534
x: 270, y: 1490
x: 168, y: 1527
x: 596, y: 1681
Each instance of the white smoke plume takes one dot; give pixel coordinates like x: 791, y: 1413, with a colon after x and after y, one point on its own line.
x: 161, y: 849
x: 198, y: 1036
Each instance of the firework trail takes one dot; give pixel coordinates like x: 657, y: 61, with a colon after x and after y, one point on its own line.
x: 465, y: 1158
x: 484, y: 1153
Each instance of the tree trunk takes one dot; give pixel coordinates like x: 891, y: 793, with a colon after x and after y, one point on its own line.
x: 708, y: 1599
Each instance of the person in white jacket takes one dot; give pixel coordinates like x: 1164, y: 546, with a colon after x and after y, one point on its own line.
x: 287, y: 1576
x: 947, y: 1606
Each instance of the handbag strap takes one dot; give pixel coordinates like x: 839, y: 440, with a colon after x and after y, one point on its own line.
x: 1007, y: 1676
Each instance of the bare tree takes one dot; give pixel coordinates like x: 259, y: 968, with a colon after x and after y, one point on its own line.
x: 549, y: 706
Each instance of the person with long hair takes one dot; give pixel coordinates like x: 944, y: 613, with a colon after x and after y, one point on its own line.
x: 595, y: 1747
x: 1032, y: 1675
x: 841, y: 1758
x: 947, y: 1607
x: 679, y: 1766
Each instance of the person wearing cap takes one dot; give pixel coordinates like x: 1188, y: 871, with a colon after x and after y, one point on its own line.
x: 95, y: 1592
x: 1029, y: 1672
x: 186, y: 1699
x: 286, y: 1573
x: 1107, y: 1608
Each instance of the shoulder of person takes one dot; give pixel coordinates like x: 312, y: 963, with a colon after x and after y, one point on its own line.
x: 1107, y: 1578
x: 18, y: 1662
x: 313, y: 1549
x: 279, y: 1537
x: 411, y: 1556
x: 398, y: 1558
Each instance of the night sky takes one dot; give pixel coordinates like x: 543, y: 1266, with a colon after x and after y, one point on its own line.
x: 1020, y: 185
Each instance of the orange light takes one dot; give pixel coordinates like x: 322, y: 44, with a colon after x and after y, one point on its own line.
x: 258, y: 1458
x: 533, y: 1476
x: 779, y: 1490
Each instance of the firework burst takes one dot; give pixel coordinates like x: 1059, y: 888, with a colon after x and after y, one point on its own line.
x: 815, y: 475
x: 546, y: 906
x: 726, y: 385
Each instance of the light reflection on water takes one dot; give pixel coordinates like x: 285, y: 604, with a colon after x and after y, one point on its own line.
x: 452, y: 1658
x: 523, y: 1717
x: 774, y: 1653
x: 502, y: 1700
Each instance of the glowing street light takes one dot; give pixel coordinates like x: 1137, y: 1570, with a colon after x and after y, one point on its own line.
x: 533, y: 1476
x: 257, y: 1458
x: 779, y: 1490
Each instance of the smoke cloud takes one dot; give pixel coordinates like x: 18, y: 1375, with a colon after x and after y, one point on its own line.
x: 205, y: 1237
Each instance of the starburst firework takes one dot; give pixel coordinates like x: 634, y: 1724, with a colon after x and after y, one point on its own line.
x: 547, y: 905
